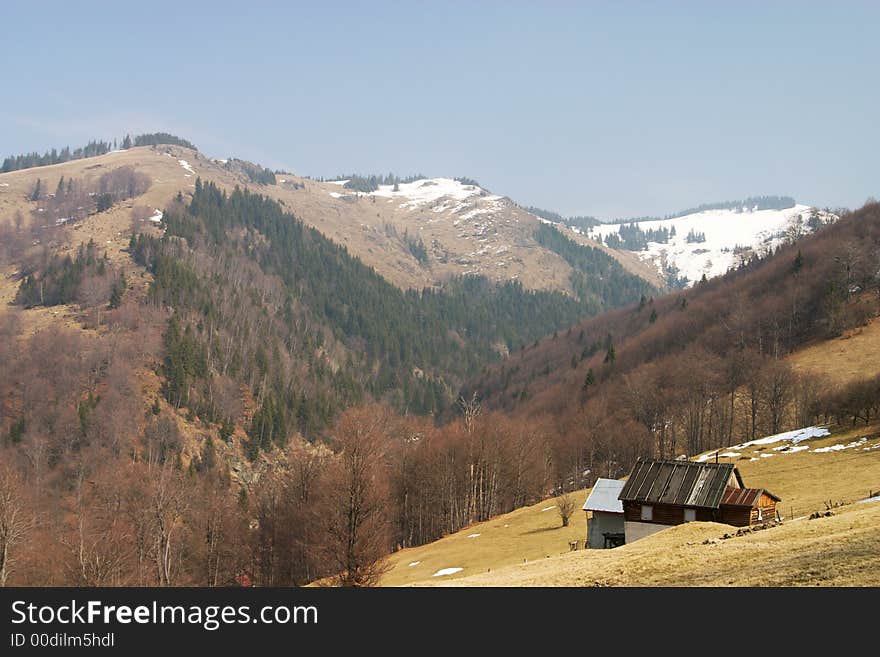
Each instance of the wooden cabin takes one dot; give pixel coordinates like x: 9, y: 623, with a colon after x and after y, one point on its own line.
x: 660, y: 493
x: 604, y: 513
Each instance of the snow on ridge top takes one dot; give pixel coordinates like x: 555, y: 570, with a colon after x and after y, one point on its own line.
x: 428, y: 190
x: 186, y: 165
x: 336, y: 182
x: 724, y: 230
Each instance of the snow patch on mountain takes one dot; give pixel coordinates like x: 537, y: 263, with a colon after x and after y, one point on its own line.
x: 430, y: 190
x: 730, y: 235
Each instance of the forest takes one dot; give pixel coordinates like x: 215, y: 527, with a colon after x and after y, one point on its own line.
x: 255, y: 173
x: 357, y: 335
x: 370, y: 183
x: 597, y: 279
x: 631, y: 237
x: 583, y: 223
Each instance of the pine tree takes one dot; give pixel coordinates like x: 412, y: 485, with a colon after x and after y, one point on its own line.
x: 117, y: 291
x: 126, y: 143
x: 35, y: 195
x: 227, y: 429
x: 590, y: 380
x: 610, y: 355
x: 653, y: 317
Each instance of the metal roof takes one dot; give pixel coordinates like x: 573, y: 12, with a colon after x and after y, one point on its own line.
x: 682, y: 483
x: 603, y: 497
x: 744, y: 496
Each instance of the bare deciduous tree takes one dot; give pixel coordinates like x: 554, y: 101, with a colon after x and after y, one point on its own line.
x: 565, y: 505
x: 357, y: 527
x: 13, y: 523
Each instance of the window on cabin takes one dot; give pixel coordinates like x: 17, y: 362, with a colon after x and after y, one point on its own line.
x: 690, y: 515
x: 760, y: 514
x: 647, y: 512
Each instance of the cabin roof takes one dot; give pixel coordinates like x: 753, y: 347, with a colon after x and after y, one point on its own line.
x: 744, y: 496
x: 680, y: 483
x: 604, y: 496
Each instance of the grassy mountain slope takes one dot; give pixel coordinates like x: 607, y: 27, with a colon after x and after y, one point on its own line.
x: 529, y: 547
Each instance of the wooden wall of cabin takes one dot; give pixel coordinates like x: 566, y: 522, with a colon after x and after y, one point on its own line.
x: 665, y: 514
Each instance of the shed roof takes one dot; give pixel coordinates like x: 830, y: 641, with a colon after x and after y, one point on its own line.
x: 682, y: 483
x: 604, y: 495
x: 744, y: 496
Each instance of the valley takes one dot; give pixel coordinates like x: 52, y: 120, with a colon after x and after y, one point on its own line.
x: 224, y: 350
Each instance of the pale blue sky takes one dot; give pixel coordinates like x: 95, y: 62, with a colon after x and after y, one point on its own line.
x: 610, y: 109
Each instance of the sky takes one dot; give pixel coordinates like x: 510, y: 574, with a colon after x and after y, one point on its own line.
x: 606, y: 109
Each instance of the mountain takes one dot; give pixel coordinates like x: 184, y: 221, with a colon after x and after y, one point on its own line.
x: 209, y: 368
x: 422, y: 232
x: 709, y: 242
x: 428, y: 281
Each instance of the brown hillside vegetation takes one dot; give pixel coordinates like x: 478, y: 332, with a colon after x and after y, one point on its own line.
x: 707, y: 367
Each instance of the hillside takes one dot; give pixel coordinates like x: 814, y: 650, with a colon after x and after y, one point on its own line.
x: 845, y: 359
x: 822, y: 288
x: 433, y: 229
x: 528, y: 547
x: 389, y: 231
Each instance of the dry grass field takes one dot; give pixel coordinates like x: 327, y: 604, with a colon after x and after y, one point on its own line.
x: 530, y: 533
x: 842, y: 550
x: 853, y: 356
x: 837, y: 551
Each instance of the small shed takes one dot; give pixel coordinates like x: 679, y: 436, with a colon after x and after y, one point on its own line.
x: 604, y: 514
x: 743, y: 507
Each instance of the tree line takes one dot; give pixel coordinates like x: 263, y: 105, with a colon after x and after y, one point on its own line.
x: 92, y: 149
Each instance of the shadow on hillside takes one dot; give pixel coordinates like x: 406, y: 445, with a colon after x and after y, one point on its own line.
x: 541, y: 530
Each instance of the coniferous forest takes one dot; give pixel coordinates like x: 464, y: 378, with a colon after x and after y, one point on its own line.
x: 411, y: 349
x: 92, y: 149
